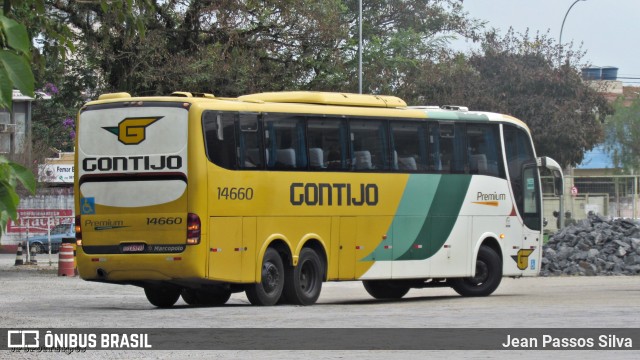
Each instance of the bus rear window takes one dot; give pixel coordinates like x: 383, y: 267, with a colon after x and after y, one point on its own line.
x: 232, y: 140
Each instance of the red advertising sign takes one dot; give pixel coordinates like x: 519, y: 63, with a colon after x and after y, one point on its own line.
x: 37, y: 220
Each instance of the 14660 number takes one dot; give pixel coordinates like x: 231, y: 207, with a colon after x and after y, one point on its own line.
x: 235, y: 193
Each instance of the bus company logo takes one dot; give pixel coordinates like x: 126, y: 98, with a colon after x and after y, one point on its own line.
x: 340, y: 194
x: 132, y: 131
x: 522, y: 259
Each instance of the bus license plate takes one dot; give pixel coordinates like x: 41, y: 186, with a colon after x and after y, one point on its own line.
x: 133, y: 248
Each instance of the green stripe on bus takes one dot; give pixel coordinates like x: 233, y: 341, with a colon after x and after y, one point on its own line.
x: 443, y: 214
x: 425, y: 217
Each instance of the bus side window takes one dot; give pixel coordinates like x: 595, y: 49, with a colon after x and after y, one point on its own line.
x: 249, y: 144
x: 452, y: 148
x: 285, y: 142
x: 447, y: 145
x: 327, y: 141
x: 485, y: 155
x: 409, y: 147
x: 219, y: 137
x: 434, y: 161
x: 369, y: 145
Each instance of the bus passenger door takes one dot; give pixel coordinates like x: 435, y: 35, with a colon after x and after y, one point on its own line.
x: 530, y: 254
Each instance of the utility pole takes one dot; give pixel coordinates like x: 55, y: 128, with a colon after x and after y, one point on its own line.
x: 360, y: 47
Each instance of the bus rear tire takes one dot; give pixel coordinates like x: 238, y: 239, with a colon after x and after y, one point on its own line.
x: 162, y: 296
x: 268, y: 291
x: 205, y: 298
x: 303, y: 282
x: 488, y: 275
x: 385, y: 289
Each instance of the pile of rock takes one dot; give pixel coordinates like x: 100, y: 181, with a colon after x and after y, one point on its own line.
x: 594, y: 246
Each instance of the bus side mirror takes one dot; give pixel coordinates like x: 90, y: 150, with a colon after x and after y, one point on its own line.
x: 556, y: 170
x: 558, y: 183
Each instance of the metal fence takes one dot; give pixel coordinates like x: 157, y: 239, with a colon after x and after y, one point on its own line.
x: 610, y: 196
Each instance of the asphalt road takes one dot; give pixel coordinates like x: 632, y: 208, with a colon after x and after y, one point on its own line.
x: 35, y: 297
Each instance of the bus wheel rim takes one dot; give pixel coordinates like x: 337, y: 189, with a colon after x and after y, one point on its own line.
x: 482, y: 273
x: 270, y: 277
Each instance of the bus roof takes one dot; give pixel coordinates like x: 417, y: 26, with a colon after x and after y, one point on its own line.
x: 448, y: 112
x: 339, y: 99
x: 327, y: 98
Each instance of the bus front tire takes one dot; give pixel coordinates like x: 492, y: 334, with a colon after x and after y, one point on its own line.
x: 303, y: 282
x: 162, y: 296
x: 385, y: 289
x: 488, y: 275
x: 268, y: 291
x: 205, y: 298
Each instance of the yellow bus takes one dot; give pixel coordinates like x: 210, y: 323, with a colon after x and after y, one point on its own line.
x: 274, y: 193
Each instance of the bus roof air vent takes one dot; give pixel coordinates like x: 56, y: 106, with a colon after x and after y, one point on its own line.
x: 424, y: 107
x: 455, y: 108
x: 192, y: 94
x: 109, y: 96
x: 181, y: 94
x: 204, y: 95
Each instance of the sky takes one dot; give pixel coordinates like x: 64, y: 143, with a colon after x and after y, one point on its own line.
x: 608, y: 30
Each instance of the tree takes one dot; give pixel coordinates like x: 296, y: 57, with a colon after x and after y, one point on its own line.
x: 14, y: 59
x: 400, y: 37
x: 622, y: 135
x: 10, y: 175
x: 61, y: 66
x: 67, y: 86
x: 231, y: 48
x: 14, y: 71
x: 19, y: 24
x: 227, y: 47
x: 522, y: 76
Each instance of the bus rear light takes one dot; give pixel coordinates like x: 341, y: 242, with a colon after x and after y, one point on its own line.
x: 78, y: 228
x: 193, y: 229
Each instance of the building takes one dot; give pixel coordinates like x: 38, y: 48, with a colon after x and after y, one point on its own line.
x: 53, y: 201
x: 15, y: 126
x: 597, y: 184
